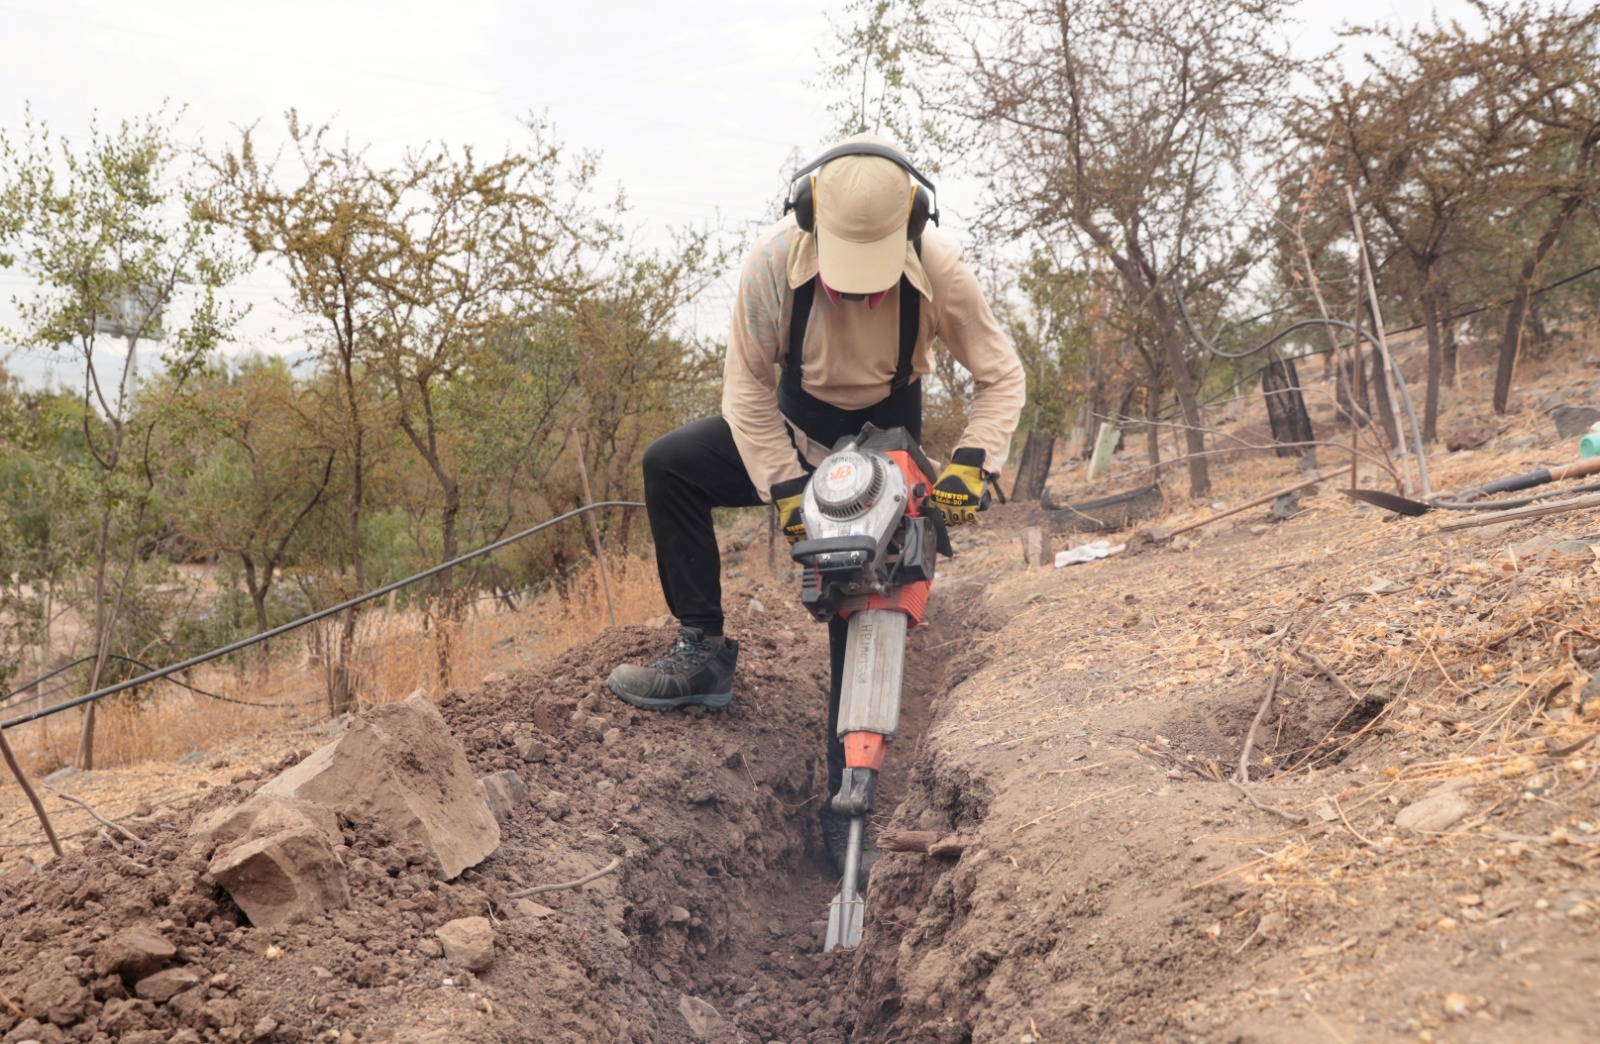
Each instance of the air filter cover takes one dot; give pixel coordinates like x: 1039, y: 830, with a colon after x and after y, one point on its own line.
x: 848, y: 484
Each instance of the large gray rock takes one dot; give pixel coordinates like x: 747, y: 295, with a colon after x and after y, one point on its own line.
x: 399, y: 765
x: 288, y: 876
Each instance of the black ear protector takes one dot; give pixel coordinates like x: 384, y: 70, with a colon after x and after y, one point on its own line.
x: 803, y: 188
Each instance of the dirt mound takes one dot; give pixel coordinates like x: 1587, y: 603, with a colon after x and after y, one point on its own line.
x: 708, y: 929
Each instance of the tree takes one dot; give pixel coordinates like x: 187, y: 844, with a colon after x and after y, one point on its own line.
x: 123, y: 246
x: 1058, y: 329
x: 1128, y: 126
x: 1545, y: 64
x: 257, y: 469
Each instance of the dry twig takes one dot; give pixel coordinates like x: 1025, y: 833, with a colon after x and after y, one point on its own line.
x: 33, y: 795
x: 579, y: 883
x: 102, y: 820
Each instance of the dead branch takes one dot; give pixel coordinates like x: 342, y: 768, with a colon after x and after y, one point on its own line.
x: 1297, y: 820
x: 1243, y: 775
x: 1530, y: 511
x: 1327, y: 672
x: 579, y: 883
x: 33, y: 795
x: 1274, y: 495
x: 1561, y: 752
x: 1337, y: 807
x: 18, y: 1012
x: 102, y: 820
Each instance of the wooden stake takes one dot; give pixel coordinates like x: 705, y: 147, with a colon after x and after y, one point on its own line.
x: 27, y: 788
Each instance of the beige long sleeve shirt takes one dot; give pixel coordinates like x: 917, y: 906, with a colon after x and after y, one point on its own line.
x: 850, y: 351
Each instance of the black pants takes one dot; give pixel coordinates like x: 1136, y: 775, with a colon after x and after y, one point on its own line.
x: 695, y: 468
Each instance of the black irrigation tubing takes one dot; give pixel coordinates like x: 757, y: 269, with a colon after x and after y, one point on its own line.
x: 254, y: 639
x: 1253, y: 374
x: 1337, y: 324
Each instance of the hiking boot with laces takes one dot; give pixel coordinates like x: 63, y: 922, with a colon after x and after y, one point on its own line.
x: 697, y: 670
x: 836, y: 839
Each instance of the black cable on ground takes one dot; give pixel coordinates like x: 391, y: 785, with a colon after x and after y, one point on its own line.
x: 255, y: 639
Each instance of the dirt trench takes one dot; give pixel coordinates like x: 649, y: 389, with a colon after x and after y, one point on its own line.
x: 710, y: 929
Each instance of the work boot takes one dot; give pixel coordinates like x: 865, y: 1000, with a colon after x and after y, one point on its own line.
x: 697, y: 670
x: 836, y: 839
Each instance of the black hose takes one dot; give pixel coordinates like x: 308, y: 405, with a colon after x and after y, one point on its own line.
x: 254, y: 639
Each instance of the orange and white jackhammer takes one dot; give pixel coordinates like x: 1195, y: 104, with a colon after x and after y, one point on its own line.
x: 872, y: 542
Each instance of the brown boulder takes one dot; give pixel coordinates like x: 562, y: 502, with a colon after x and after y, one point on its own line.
x: 289, y: 876
x: 399, y: 765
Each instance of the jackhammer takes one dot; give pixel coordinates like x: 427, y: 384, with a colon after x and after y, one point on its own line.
x: 872, y: 542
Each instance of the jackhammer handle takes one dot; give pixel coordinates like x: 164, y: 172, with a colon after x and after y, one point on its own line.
x: 1587, y: 466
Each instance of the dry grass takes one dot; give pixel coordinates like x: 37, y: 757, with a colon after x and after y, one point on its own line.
x: 396, y: 653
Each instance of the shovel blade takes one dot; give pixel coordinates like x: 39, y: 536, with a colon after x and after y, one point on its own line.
x: 846, y: 916
x: 1389, y: 501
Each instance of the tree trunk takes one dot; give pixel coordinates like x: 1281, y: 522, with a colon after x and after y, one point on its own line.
x: 1430, y: 410
x: 1286, y: 408
x: 1194, y: 435
x: 1516, y: 315
x: 1033, y: 470
x: 1449, y: 360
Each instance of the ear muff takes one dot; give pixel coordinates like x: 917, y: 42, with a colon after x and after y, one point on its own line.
x: 920, y: 212
x: 803, y: 202
x: 803, y: 195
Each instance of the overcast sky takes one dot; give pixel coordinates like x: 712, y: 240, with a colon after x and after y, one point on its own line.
x: 698, y: 108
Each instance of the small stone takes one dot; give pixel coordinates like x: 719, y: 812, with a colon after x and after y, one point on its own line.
x: 531, y: 749
x: 529, y: 908
x: 265, y: 1027
x: 320, y: 972
x: 611, y: 737
x: 468, y: 942
x: 677, y: 915
x: 1435, y: 812
x: 702, y: 1018
x: 133, y: 953
x: 503, y: 791
x: 60, y: 999
x: 164, y: 985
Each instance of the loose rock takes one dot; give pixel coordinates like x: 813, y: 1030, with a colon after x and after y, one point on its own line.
x: 399, y: 765
x: 164, y: 985
x: 468, y: 942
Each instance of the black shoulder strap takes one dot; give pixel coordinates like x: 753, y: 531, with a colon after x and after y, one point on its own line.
x: 799, y: 314
x: 910, y: 319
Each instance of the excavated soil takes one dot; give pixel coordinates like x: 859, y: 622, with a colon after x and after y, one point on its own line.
x: 717, y: 908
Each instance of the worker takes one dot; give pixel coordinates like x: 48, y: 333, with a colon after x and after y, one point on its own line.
x: 838, y: 306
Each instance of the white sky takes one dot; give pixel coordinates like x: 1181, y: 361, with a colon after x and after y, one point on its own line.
x: 696, y: 107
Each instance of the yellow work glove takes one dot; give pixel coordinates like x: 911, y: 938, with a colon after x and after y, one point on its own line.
x: 786, y: 497
x: 959, y: 492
